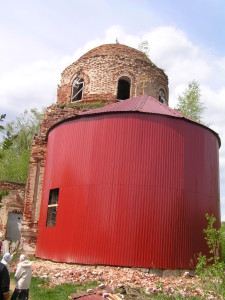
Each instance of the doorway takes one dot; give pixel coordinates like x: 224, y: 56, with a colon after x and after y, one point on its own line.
x: 13, y: 227
x: 123, y: 91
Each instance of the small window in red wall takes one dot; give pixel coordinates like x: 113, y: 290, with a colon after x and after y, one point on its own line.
x: 52, y: 207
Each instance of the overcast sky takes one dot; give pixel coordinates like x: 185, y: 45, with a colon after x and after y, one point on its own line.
x: 40, y: 38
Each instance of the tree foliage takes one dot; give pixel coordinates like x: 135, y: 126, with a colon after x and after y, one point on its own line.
x: 2, y: 117
x: 210, y: 268
x: 144, y: 47
x: 189, y: 103
x: 15, y: 147
x: 223, y: 241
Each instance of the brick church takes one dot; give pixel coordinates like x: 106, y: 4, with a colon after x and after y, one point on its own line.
x: 116, y: 177
x: 104, y: 75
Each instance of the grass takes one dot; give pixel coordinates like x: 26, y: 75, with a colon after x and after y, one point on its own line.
x: 40, y: 289
x: 15, y: 257
x: 80, y: 105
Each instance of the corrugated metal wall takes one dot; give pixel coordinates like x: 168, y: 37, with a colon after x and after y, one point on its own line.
x: 133, y: 191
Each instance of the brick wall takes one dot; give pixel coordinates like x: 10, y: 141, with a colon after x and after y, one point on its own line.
x: 101, y: 69
x: 11, y: 203
x: 53, y: 115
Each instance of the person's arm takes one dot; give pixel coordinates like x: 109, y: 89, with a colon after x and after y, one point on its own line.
x: 18, y: 273
x: 6, y: 295
x: 5, y: 283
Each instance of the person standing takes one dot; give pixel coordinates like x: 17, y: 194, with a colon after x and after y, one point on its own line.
x: 6, y: 260
x: 23, y: 279
x: 4, y: 282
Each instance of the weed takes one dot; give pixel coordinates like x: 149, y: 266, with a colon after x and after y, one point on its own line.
x: 223, y: 241
x: 40, y: 289
x: 15, y: 257
x: 86, y: 105
x: 210, y: 269
x: 2, y: 194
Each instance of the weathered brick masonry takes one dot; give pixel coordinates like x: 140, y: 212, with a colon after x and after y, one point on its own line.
x: 53, y: 115
x: 12, y: 203
x: 101, y: 68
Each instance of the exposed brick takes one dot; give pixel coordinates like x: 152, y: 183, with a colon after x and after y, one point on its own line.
x: 12, y: 203
x: 101, y: 68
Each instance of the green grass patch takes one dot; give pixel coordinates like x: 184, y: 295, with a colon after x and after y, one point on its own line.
x: 2, y: 194
x: 16, y: 257
x: 33, y: 258
x: 40, y: 289
x: 80, y: 105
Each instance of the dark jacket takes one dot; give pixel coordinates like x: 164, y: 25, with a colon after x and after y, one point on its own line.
x: 4, y: 280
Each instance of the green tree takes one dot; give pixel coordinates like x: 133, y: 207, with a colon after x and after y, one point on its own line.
x: 189, y: 103
x: 15, y: 147
x: 143, y: 46
x: 2, y: 117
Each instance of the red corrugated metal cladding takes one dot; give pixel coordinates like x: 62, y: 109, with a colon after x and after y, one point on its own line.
x: 134, y: 189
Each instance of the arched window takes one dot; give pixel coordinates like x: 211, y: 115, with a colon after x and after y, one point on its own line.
x: 123, y: 90
x: 162, y: 97
x: 77, y: 89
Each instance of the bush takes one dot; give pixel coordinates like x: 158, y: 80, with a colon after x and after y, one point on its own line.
x: 223, y: 241
x: 211, y: 269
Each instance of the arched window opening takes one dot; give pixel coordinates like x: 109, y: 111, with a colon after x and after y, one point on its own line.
x: 162, y: 97
x: 77, y: 89
x: 123, y: 91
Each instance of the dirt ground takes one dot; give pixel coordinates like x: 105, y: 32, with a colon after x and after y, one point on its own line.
x: 117, y: 277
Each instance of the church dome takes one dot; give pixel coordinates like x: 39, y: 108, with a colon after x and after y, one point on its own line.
x: 114, y: 50
x: 110, y: 73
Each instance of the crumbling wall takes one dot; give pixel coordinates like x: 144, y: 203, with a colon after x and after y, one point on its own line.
x: 53, y: 115
x: 101, y: 69
x: 11, y: 203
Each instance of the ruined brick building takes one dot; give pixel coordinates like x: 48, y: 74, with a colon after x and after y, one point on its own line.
x: 11, y: 212
x: 105, y: 74
x: 122, y: 184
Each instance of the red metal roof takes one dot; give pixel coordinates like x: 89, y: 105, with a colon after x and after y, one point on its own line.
x: 145, y: 104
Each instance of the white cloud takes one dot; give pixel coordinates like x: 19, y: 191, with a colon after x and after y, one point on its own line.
x: 29, y: 86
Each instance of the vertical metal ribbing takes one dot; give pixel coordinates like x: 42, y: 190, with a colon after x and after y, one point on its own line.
x: 131, y: 193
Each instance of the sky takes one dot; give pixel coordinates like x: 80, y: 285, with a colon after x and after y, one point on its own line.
x: 40, y: 38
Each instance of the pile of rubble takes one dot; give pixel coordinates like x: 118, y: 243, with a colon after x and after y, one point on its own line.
x: 120, y: 278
